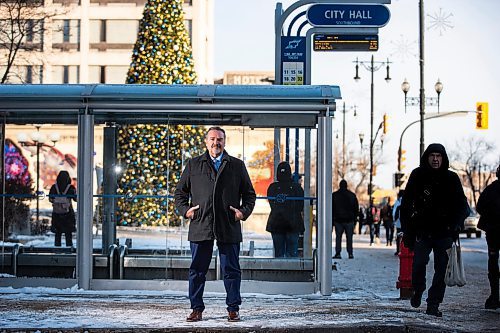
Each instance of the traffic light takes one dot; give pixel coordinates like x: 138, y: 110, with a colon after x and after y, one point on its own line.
x: 481, y: 115
x: 385, y: 123
x: 401, y: 159
x: 398, y: 179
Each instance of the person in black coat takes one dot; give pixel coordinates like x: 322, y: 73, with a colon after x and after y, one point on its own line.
x: 285, y: 222
x: 433, y: 210
x: 215, y: 193
x: 488, y: 206
x: 63, y: 221
x: 388, y: 221
x: 345, y: 209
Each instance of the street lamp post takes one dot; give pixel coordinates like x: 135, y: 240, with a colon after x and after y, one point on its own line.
x: 344, y: 111
x: 38, y: 141
x: 427, y: 101
x: 372, y: 67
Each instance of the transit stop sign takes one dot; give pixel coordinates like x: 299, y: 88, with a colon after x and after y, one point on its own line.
x: 348, y: 15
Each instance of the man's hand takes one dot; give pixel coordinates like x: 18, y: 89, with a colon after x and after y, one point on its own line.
x: 237, y: 213
x: 190, y: 212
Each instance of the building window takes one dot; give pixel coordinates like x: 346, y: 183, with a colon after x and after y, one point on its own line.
x: 24, y: 74
x: 108, y: 74
x: 29, y: 74
x: 113, y: 31
x: 102, y: 32
x: 30, y: 25
x: 188, y: 24
x: 102, y: 73
x: 66, y: 74
x: 66, y: 32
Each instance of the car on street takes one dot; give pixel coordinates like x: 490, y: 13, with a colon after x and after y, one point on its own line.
x: 470, y: 225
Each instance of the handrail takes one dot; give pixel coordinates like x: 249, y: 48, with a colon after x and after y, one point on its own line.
x: 111, y: 260
x: 123, y: 250
x: 15, y: 252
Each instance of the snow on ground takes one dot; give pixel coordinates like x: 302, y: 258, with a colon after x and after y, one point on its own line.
x: 364, y: 293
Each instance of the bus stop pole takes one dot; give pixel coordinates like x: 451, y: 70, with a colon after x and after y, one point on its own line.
x: 324, y: 212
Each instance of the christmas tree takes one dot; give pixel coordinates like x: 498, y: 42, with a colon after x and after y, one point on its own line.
x: 162, y: 53
x: 153, y: 155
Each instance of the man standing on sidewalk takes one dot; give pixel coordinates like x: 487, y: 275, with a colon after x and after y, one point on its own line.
x: 215, y: 193
x: 433, y: 209
x: 345, y: 210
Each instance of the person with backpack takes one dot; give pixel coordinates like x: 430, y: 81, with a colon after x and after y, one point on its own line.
x: 63, y: 215
x: 488, y: 206
x: 285, y: 222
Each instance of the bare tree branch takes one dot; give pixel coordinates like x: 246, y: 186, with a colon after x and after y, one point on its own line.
x: 472, y: 159
x: 22, y: 22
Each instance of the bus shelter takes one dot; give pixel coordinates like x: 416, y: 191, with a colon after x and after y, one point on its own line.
x: 98, y: 131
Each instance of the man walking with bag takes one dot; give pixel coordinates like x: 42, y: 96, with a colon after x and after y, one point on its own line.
x: 488, y: 206
x: 433, y: 209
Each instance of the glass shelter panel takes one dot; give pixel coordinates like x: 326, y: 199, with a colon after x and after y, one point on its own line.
x: 135, y: 223
x: 37, y: 240
x: 138, y: 167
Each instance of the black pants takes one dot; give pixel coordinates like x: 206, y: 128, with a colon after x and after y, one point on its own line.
x: 493, y: 242
x: 374, y: 231
x: 340, y: 228
x: 389, y: 232
x: 423, y: 248
x: 67, y: 235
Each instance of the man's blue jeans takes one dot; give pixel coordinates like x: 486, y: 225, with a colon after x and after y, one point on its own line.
x: 201, y: 254
x: 286, y: 244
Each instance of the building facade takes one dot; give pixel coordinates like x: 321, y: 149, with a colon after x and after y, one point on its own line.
x: 91, y: 41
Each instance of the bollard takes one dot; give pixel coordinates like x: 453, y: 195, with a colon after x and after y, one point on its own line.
x: 405, y: 269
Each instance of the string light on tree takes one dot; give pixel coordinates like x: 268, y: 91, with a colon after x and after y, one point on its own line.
x: 151, y: 155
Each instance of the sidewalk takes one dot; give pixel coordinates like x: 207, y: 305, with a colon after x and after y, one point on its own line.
x: 364, y: 299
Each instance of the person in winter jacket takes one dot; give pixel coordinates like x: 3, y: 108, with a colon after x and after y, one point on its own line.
x: 396, y: 210
x: 433, y: 210
x: 488, y: 206
x: 215, y: 193
x: 373, y: 222
x: 388, y: 221
x: 285, y: 222
x: 63, y: 219
x: 345, y: 210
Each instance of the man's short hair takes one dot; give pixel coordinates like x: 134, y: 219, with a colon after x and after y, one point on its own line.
x: 215, y: 128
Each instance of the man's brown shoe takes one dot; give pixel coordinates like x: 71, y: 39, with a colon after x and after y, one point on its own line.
x: 194, y: 316
x: 233, y: 316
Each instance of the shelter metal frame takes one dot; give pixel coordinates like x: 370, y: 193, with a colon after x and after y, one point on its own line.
x: 254, y: 106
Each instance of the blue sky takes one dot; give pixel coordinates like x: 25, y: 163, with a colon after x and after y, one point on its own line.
x: 460, y: 50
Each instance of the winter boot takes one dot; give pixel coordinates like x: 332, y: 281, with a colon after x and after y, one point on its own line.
x: 433, y: 310
x: 416, y: 299
x: 493, y: 301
